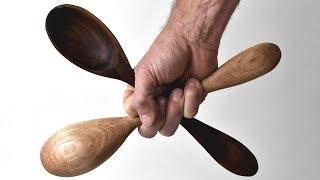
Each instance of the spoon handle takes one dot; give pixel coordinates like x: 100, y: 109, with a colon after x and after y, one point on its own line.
x: 227, y: 151
x: 248, y: 65
x: 85, y: 41
x: 81, y: 147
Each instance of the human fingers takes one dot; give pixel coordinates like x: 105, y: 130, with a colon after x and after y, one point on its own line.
x: 143, y: 96
x: 150, y: 132
x: 174, y: 113
x: 192, y: 97
x: 128, y: 100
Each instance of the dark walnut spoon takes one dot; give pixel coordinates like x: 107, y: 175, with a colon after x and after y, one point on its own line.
x: 85, y: 41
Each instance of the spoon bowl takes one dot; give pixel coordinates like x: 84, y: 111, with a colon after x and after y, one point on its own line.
x: 85, y: 41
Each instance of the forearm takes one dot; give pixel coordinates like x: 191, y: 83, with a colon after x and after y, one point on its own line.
x: 201, y: 21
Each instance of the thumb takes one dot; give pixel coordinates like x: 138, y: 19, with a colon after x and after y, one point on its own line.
x: 127, y: 101
x: 144, y: 93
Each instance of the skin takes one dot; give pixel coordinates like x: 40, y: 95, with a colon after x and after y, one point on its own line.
x: 186, y: 51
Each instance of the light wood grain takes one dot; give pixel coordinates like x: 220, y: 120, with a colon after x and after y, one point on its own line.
x: 246, y: 66
x: 83, y: 146
x: 85, y: 41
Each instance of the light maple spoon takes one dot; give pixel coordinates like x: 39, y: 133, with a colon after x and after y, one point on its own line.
x: 85, y: 41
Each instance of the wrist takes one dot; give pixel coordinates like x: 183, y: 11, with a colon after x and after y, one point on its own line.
x: 201, y: 22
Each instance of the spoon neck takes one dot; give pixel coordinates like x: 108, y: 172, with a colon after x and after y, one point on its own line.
x: 124, y: 69
x: 130, y: 78
x: 133, y: 122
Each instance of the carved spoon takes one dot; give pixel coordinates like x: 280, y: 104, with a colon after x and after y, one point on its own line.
x: 85, y: 41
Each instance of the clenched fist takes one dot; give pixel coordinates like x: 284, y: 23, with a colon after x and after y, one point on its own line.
x: 185, y: 52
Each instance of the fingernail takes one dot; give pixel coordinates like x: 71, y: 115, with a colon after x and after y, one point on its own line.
x: 177, y: 95
x: 146, y: 120
x: 194, y: 82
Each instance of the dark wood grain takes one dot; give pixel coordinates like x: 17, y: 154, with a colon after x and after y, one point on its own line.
x: 227, y: 151
x: 85, y: 41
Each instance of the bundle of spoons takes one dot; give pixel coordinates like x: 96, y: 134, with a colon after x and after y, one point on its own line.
x: 85, y: 41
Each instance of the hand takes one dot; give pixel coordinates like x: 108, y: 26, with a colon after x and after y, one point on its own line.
x: 185, y: 51
x: 169, y: 59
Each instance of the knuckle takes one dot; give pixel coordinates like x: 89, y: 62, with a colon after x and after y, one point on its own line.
x: 147, y: 134
x: 140, y: 102
x: 130, y: 111
x: 166, y: 133
x: 169, y: 128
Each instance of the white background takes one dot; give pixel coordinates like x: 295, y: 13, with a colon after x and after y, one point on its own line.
x: 276, y: 116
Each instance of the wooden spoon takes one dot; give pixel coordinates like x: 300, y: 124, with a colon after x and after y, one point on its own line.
x: 85, y: 41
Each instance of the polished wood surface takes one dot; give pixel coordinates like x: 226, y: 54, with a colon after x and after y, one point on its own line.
x: 246, y: 66
x: 226, y: 150
x: 87, y: 42
x: 81, y: 147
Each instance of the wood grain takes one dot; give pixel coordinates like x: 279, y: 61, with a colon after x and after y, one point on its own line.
x: 246, y: 66
x: 81, y: 147
x: 85, y: 41
x: 227, y: 151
